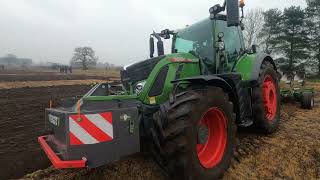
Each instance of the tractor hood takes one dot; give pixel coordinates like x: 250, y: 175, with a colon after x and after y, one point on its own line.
x: 139, y: 71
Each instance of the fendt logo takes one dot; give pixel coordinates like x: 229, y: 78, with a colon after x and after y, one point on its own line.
x: 54, y: 120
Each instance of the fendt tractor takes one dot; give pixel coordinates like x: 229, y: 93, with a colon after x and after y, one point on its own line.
x: 186, y: 105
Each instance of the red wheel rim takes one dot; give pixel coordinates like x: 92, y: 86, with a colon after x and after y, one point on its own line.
x: 211, y: 152
x: 269, y: 97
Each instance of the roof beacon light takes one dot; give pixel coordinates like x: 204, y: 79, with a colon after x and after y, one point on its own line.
x: 242, y: 4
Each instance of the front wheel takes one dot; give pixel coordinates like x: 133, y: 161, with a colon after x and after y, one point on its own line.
x: 196, y: 134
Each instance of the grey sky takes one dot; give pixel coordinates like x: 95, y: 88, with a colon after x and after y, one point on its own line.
x: 49, y: 30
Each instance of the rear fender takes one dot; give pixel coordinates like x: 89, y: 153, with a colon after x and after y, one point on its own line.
x: 249, y: 65
x: 206, y: 80
x: 209, y: 80
x: 260, y: 58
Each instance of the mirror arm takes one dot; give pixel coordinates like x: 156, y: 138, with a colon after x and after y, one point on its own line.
x: 156, y: 35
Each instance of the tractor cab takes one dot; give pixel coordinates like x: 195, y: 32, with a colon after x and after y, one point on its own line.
x: 216, y: 41
x: 213, y: 42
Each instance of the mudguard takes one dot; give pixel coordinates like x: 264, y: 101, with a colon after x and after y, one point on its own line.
x: 260, y: 57
x: 208, y: 80
x: 249, y: 65
x: 234, y: 86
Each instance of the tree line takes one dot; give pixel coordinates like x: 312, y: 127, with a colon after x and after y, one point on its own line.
x: 291, y: 35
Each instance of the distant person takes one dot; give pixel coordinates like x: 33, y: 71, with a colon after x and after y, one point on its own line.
x: 2, y: 67
x: 61, y: 69
x: 66, y: 69
x: 70, y: 69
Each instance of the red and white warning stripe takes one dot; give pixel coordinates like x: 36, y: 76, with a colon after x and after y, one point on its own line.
x: 91, y: 128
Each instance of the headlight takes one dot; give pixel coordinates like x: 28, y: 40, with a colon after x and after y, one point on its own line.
x: 139, y: 87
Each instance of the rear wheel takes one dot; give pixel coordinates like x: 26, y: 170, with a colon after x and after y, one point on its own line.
x: 195, y: 135
x: 266, y: 100
x: 307, y: 100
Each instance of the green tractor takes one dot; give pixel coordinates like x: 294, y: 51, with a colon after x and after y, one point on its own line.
x: 187, y: 105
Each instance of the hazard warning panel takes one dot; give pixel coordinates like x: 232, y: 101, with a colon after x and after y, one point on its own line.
x: 90, y: 128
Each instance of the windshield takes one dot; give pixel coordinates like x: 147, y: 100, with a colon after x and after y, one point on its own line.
x: 196, y: 39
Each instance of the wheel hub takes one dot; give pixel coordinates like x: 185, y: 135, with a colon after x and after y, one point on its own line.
x: 212, y: 137
x: 269, y: 97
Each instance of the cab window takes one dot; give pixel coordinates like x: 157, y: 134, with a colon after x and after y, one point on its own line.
x: 232, y: 38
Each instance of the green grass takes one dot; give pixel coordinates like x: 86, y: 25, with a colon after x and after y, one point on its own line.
x: 313, y: 80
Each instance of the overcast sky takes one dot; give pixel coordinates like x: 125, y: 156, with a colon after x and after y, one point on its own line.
x: 49, y: 30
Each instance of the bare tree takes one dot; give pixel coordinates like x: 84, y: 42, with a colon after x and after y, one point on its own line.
x: 84, y: 55
x: 253, y: 24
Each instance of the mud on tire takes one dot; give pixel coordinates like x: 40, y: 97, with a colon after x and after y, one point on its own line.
x: 175, y: 134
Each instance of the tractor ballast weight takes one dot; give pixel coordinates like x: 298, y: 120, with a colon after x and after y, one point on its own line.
x: 93, y: 135
x: 186, y: 104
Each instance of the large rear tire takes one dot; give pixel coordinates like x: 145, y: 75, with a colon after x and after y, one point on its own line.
x: 195, y: 135
x: 266, y: 100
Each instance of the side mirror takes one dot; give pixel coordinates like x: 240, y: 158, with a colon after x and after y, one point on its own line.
x: 151, y: 46
x: 254, y: 49
x: 233, y: 14
x: 160, y: 48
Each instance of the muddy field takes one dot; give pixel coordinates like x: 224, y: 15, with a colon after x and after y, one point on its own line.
x: 20, y: 76
x: 23, y: 98
x: 291, y: 153
x: 34, y: 84
x: 22, y: 119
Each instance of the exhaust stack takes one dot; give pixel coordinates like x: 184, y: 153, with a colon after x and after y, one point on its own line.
x: 233, y: 14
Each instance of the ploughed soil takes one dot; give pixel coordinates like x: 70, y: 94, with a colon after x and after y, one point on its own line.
x: 32, y: 84
x: 22, y: 76
x: 21, y: 122
x: 293, y: 152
